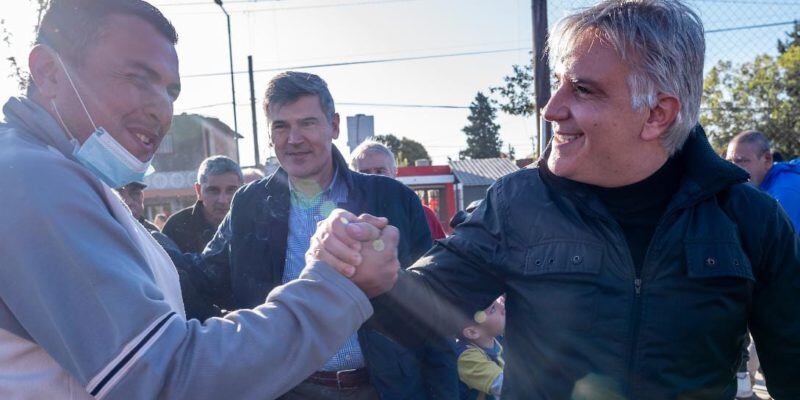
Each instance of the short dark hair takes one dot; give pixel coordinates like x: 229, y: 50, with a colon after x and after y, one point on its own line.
x: 753, y: 137
x: 70, y: 26
x: 217, y: 165
x: 289, y: 86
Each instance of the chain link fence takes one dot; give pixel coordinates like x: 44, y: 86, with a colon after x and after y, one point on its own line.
x: 752, y: 68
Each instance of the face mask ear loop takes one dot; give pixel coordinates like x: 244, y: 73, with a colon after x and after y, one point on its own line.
x: 61, y: 121
x: 80, y: 99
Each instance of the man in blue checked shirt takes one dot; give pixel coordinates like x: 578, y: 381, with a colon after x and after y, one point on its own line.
x: 263, y: 241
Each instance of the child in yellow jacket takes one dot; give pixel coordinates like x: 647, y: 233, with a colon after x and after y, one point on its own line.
x: 480, y: 360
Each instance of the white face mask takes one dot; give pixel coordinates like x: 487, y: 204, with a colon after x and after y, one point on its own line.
x: 101, y: 153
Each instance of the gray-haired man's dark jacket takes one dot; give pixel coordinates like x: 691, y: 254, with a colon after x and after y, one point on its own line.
x: 581, y: 324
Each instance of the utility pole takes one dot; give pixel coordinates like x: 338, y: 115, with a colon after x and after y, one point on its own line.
x: 233, y: 82
x: 253, y: 109
x: 541, y: 72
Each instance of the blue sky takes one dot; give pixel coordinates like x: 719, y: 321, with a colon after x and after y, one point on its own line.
x: 291, y: 33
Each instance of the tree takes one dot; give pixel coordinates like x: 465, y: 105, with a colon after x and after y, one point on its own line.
x: 793, y: 40
x: 16, y: 71
x: 516, y: 96
x: 763, y: 94
x: 483, y: 134
x: 405, y: 150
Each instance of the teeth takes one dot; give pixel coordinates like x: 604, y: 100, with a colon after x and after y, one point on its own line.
x: 143, y: 138
x: 566, y: 138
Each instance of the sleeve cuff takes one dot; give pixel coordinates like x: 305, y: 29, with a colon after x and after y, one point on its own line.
x: 321, y: 271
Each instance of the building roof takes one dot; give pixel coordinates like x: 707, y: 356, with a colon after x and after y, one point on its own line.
x: 482, y: 172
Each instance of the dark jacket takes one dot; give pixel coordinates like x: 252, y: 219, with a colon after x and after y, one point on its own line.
x: 581, y: 324
x: 189, y: 229
x: 148, y: 225
x: 246, y: 259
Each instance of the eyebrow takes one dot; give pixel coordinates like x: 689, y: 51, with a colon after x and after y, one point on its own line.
x: 174, y: 89
x: 584, y: 81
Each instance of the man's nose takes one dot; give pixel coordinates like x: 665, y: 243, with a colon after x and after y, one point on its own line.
x: 556, y: 109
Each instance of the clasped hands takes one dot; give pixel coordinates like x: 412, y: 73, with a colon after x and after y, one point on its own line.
x: 362, y: 248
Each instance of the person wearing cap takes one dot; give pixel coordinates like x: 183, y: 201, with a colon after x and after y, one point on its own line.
x: 132, y: 195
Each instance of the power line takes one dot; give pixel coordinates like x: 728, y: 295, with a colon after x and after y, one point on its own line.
x: 750, y: 2
x: 741, y: 28
x: 405, y: 105
x: 289, y: 8
x: 432, y: 106
x: 362, y: 62
x: 210, y: 3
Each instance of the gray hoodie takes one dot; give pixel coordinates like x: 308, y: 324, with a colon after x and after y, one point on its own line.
x: 81, y: 313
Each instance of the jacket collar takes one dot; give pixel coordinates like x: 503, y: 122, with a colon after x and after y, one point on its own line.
x: 277, y: 186
x: 198, y: 217
x: 705, y: 173
x: 31, y: 118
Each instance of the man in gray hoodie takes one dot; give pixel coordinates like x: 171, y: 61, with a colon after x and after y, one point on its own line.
x: 90, y: 304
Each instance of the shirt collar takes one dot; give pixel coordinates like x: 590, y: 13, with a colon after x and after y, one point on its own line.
x: 335, y: 191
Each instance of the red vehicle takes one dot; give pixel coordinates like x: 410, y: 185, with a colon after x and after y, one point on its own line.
x: 437, y: 188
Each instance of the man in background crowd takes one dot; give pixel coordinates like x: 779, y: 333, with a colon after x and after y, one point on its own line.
x: 252, y: 174
x: 374, y: 158
x: 133, y: 196
x: 751, y: 151
x: 218, y: 178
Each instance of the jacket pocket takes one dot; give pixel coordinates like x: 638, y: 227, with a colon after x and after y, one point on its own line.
x: 708, y: 260
x: 564, y: 258
x: 562, y: 277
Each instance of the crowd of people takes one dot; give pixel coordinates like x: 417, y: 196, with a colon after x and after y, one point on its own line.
x: 631, y: 262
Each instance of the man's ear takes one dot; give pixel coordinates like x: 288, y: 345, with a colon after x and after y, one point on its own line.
x: 335, y: 125
x: 470, y: 333
x: 198, y: 190
x: 768, y: 157
x: 45, y: 70
x: 662, y: 115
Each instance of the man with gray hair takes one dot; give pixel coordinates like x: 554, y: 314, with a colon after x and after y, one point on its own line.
x: 633, y: 258
x: 218, y: 178
x: 374, y: 158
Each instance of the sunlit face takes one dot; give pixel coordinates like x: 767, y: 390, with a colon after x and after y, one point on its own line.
x: 495, y: 322
x: 751, y: 159
x: 376, y: 163
x: 216, y: 194
x: 128, y: 80
x: 596, y: 130
x: 302, y: 137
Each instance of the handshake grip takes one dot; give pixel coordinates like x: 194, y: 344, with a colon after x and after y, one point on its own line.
x: 362, y: 248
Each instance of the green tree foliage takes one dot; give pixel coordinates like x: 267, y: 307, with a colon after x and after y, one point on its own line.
x: 405, y: 150
x: 483, y: 134
x: 793, y: 40
x: 763, y: 94
x: 516, y: 95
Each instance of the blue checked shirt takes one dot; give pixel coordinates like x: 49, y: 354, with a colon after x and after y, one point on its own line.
x: 304, y: 213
